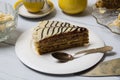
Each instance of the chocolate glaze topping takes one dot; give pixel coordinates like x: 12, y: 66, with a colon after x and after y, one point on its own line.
x: 51, y: 28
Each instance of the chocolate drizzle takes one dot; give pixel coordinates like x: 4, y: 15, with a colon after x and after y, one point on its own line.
x: 53, y: 31
x: 58, y: 30
x: 66, y: 29
x: 37, y: 28
x: 62, y: 29
x: 69, y: 24
x: 65, y: 24
x: 61, y: 24
x: 43, y: 29
x: 46, y: 23
x: 52, y: 28
x: 72, y: 28
x: 56, y: 23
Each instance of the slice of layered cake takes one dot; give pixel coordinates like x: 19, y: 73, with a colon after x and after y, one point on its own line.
x: 109, y: 4
x: 51, y: 36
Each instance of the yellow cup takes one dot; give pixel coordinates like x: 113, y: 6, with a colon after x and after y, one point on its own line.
x: 31, y: 5
x: 72, y: 6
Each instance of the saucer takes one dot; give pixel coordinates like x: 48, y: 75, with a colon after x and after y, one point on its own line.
x: 23, y: 11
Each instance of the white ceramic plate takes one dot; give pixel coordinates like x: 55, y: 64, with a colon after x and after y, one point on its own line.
x: 47, y: 64
x: 23, y: 11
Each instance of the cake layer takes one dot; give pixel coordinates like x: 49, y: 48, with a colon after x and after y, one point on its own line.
x: 49, y: 37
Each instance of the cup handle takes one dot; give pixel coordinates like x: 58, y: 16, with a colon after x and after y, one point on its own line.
x: 46, y: 5
x: 18, y: 4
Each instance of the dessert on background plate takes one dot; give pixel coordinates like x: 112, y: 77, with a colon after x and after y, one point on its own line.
x: 51, y: 36
x: 109, y: 4
x: 106, y: 6
x: 105, y: 12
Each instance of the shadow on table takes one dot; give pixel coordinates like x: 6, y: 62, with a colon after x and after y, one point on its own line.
x: 11, y: 40
x: 47, y: 17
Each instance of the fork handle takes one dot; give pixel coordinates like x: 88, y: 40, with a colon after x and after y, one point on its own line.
x: 95, y: 50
